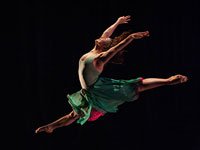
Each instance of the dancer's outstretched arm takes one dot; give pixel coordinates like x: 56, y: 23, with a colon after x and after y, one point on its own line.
x: 121, y: 20
x: 63, y: 121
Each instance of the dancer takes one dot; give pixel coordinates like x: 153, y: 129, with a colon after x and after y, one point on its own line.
x: 99, y: 95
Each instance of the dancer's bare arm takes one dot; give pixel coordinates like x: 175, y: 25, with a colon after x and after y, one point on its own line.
x: 104, y: 57
x: 121, y: 20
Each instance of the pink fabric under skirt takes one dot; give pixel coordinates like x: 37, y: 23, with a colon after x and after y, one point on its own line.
x: 94, y: 115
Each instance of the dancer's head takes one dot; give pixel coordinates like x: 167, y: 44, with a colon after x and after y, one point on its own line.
x: 103, y: 44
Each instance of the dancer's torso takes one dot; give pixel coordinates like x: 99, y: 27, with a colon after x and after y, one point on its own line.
x: 87, y: 72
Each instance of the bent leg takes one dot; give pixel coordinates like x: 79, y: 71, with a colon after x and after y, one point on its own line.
x: 151, y: 83
x: 63, y: 121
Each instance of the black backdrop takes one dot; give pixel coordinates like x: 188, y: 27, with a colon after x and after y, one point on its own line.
x: 48, y: 38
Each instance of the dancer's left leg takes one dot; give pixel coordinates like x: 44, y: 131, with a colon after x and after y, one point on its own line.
x: 63, y: 121
x: 151, y: 83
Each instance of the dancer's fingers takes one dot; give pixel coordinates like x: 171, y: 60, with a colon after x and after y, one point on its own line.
x: 129, y: 16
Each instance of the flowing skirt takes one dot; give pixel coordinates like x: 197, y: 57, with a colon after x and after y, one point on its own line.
x: 105, y: 95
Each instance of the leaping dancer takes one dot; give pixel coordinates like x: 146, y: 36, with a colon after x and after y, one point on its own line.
x: 100, y: 95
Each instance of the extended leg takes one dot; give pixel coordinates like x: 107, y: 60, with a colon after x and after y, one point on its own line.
x: 64, y: 121
x: 150, y: 83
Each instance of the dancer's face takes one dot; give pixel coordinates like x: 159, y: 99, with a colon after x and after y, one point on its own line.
x: 103, y: 42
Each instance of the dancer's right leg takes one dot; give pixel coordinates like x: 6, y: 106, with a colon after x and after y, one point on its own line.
x: 64, y: 121
x: 151, y: 83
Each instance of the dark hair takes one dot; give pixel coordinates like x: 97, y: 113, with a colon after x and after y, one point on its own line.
x: 119, y: 57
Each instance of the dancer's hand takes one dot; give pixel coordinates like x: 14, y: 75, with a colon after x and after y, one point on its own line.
x: 123, y: 19
x: 140, y: 35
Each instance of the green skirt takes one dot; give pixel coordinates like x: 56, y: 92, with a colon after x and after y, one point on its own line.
x: 105, y: 96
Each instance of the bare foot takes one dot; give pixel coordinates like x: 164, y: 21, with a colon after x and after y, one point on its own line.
x: 46, y: 128
x: 177, y: 79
